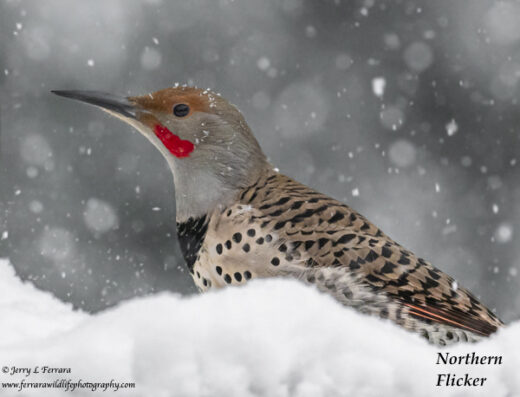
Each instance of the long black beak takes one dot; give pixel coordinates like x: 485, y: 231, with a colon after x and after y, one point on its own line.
x: 112, y: 103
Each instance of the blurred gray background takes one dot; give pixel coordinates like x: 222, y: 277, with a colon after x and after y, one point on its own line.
x: 406, y: 110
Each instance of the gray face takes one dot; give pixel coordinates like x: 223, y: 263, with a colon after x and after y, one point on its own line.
x: 207, y: 144
x: 226, y: 158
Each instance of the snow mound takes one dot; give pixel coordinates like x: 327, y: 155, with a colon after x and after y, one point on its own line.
x: 270, y: 338
x: 28, y: 313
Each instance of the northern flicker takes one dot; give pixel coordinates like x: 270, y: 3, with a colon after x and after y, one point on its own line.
x: 239, y: 219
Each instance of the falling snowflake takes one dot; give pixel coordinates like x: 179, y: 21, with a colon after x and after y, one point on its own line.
x: 263, y: 63
x: 151, y: 58
x: 418, y: 56
x: 504, y: 233
x: 99, y: 216
x: 452, y: 128
x: 402, y: 153
x: 378, y: 86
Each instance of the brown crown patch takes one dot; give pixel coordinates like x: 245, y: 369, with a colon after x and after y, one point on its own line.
x: 149, y: 120
x: 163, y: 101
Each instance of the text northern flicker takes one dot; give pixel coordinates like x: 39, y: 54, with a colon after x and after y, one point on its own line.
x: 464, y: 380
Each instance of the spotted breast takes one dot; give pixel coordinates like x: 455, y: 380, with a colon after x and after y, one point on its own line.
x: 279, y: 227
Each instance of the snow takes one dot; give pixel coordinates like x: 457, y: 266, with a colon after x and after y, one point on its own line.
x: 29, y: 315
x: 504, y: 233
x: 270, y: 338
x: 392, y: 117
x: 392, y: 41
x: 263, y: 63
x: 151, y: 58
x: 57, y: 244
x: 35, y: 150
x: 418, y: 56
x: 36, y: 207
x: 502, y: 23
x: 261, y: 100
x: 35, y: 42
x: 99, y: 216
x: 310, y: 31
x: 452, y: 127
x: 295, y: 107
x: 344, y: 61
x: 378, y: 86
x: 402, y: 153
x: 466, y: 161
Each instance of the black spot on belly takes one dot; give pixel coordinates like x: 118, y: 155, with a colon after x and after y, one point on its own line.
x: 247, y: 274
x: 246, y: 247
x: 275, y: 261
x: 191, y: 235
x: 219, y: 270
x: 228, y: 245
x: 251, y: 232
x: 238, y: 276
x: 237, y: 237
x: 227, y: 278
x: 219, y: 249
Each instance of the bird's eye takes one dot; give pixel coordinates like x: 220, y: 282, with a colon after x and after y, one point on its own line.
x: 181, y: 110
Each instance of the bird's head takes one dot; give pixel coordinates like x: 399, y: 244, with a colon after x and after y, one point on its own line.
x: 205, y: 140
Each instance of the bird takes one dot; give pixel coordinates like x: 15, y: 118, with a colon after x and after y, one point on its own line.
x: 238, y: 219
